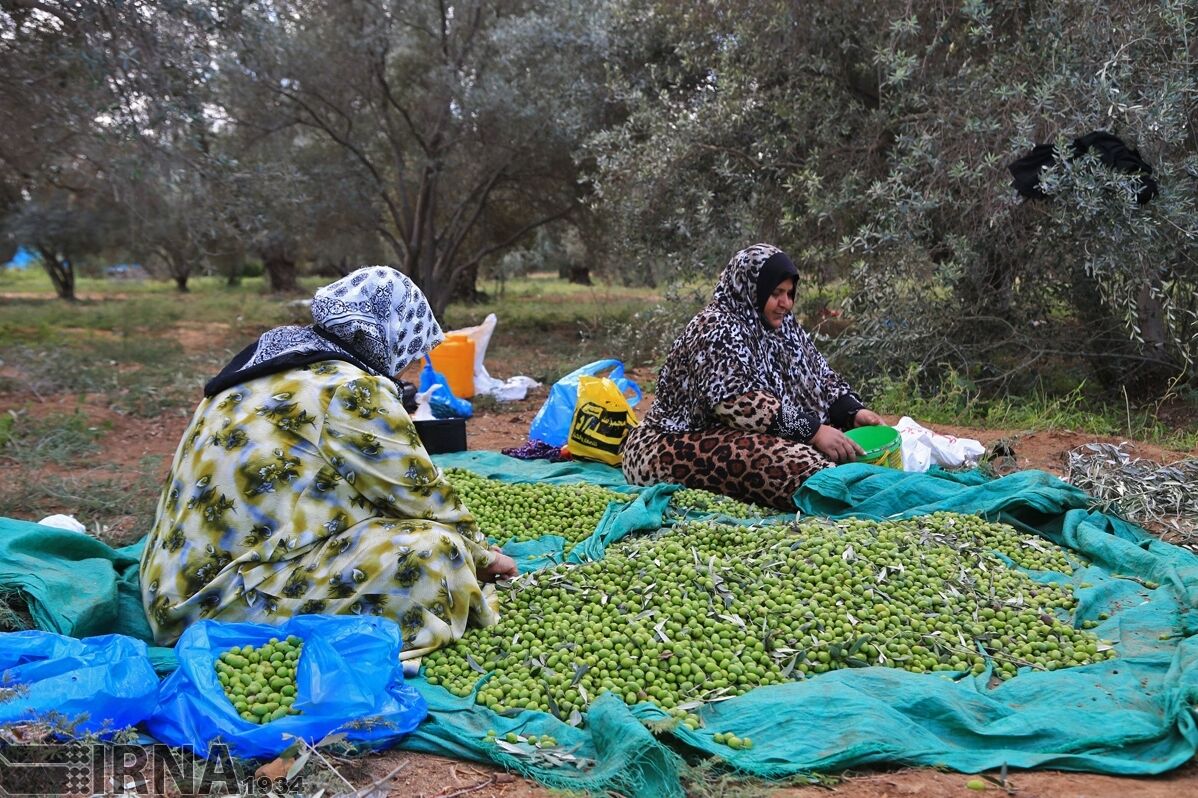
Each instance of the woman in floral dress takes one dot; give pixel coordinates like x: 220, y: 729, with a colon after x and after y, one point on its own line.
x: 301, y: 485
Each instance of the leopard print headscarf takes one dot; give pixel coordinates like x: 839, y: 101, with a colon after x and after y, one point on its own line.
x: 727, y: 351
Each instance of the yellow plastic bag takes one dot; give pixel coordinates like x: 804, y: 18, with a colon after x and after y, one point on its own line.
x: 602, y: 418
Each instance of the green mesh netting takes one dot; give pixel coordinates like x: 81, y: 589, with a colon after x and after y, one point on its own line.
x: 73, y: 584
x: 1130, y: 715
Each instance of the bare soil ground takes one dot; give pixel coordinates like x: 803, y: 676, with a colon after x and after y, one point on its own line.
x: 127, y: 441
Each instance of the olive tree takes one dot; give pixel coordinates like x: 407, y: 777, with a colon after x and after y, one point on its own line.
x: 104, y: 120
x: 871, y: 140
x: 457, y: 115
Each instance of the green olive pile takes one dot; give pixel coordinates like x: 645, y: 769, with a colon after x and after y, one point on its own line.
x: 704, y: 501
x: 260, y: 682
x: 528, y: 510
x: 706, y: 610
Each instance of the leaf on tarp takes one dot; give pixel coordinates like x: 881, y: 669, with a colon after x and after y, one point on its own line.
x: 474, y: 666
x: 511, y: 748
x: 332, y: 739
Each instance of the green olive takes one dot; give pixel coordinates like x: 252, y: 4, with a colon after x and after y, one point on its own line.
x: 258, y: 690
x: 527, y: 510
x: 707, y: 610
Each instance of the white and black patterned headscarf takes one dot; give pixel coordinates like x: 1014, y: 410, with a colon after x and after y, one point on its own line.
x: 727, y: 350
x: 375, y: 318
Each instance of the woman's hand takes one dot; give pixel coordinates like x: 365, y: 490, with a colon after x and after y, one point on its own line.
x: 502, y: 567
x: 835, y: 445
x: 867, y: 418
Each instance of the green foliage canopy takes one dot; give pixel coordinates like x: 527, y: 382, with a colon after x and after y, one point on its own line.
x: 871, y: 140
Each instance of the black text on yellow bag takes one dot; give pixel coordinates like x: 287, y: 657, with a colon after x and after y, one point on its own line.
x: 602, y: 418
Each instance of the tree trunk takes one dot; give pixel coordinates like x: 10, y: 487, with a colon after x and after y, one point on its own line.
x: 181, y: 284
x: 579, y: 274
x: 280, y: 272
x: 1141, y: 370
x: 280, y: 267
x: 61, y: 271
x: 465, y: 288
x: 229, y: 258
x: 439, y: 293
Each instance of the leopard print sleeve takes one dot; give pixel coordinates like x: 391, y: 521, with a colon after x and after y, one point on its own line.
x: 761, y: 411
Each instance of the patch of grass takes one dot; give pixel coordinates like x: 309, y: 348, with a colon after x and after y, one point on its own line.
x: 711, y: 778
x: 957, y: 403
x: 543, y: 307
x: 546, y: 328
x: 143, y: 377
x: 120, y: 506
x: 143, y: 310
x: 483, y: 403
x: 14, y: 612
x: 62, y: 440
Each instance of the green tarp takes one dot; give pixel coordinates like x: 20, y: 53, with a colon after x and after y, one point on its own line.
x: 1130, y: 715
x: 75, y: 585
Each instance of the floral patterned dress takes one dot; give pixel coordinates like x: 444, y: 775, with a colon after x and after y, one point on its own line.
x: 308, y: 491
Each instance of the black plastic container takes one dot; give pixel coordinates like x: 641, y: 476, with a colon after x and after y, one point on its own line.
x: 442, y: 435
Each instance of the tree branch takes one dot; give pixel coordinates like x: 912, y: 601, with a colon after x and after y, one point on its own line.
x: 481, y: 192
x: 379, y: 70
x: 319, y: 123
x: 457, y: 271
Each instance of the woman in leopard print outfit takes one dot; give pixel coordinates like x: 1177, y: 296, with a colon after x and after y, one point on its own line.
x: 746, y: 405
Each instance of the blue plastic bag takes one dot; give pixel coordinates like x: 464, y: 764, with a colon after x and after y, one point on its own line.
x: 349, y: 680
x: 96, y: 685
x: 442, y: 402
x: 552, y: 423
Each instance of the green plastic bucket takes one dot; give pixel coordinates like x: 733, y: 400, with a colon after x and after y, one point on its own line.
x: 883, y: 445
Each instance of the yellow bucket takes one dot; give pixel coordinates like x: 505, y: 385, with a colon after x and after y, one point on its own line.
x: 883, y: 446
x: 454, y: 357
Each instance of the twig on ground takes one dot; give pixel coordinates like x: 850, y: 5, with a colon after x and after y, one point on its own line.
x: 501, y: 778
x: 373, y: 790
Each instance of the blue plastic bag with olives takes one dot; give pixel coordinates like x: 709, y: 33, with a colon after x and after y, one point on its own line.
x: 255, y: 686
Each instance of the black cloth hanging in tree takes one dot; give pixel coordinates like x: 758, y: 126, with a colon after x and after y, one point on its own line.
x: 1110, y: 149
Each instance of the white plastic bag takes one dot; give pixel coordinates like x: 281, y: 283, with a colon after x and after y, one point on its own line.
x: 923, y: 448
x: 424, y: 409
x: 68, y: 522
x: 510, y: 390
